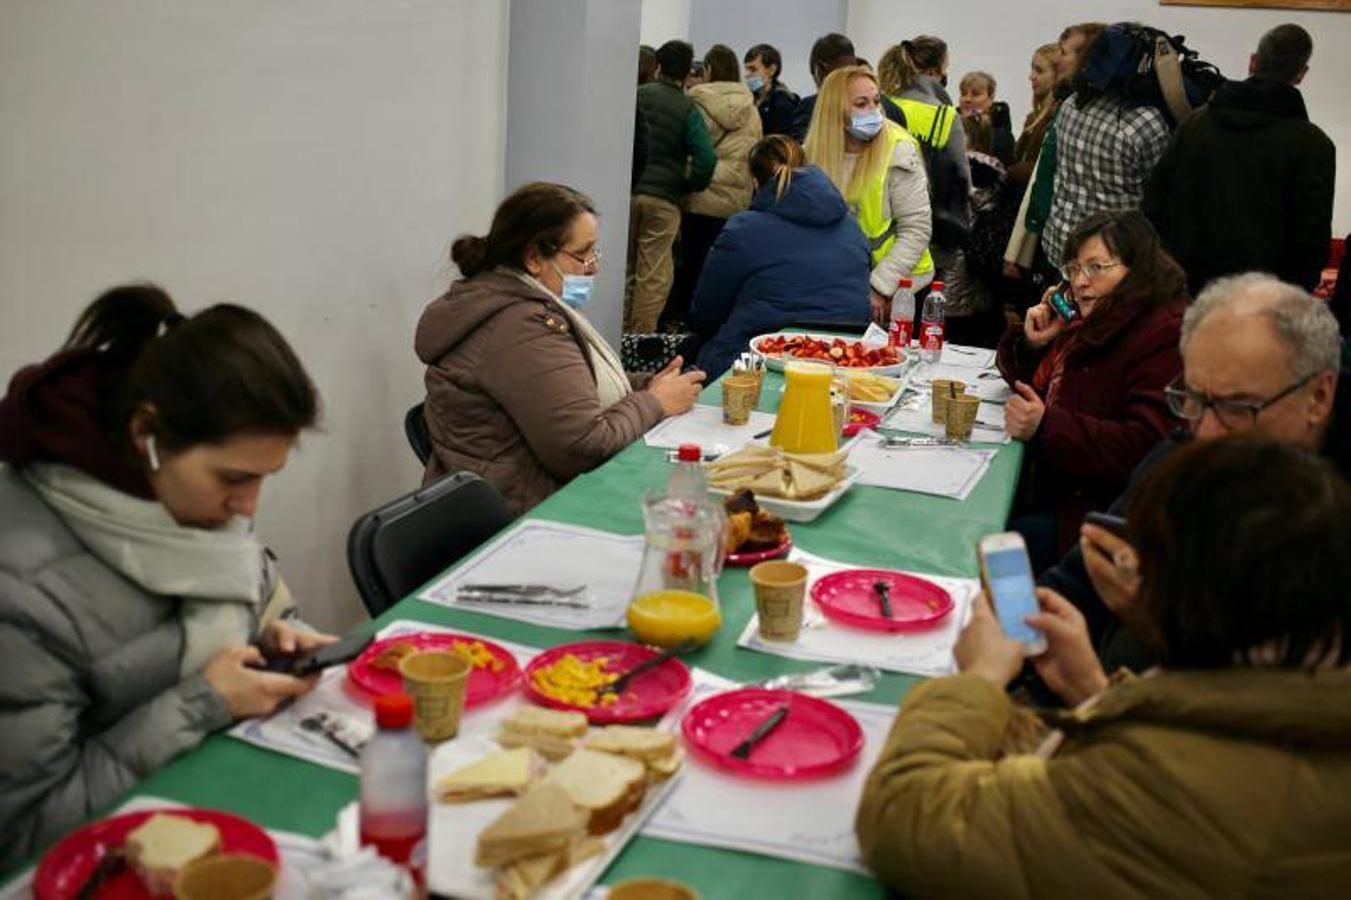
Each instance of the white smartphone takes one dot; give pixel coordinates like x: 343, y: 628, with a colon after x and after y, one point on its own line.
x: 1006, y: 573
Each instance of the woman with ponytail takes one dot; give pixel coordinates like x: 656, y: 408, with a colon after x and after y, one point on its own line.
x: 136, y: 603
x: 522, y: 389
x: 796, y: 255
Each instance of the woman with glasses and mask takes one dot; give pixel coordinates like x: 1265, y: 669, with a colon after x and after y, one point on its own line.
x: 1088, y: 367
x: 876, y: 165
x: 521, y: 388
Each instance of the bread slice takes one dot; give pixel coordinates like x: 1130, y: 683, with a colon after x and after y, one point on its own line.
x: 666, y: 766
x: 523, y: 878
x: 632, y: 741
x: 499, y: 774
x: 160, y: 847
x: 543, y: 820
x: 607, y: 786
x: 550, y: 731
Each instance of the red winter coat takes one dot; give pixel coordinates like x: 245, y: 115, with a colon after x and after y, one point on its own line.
x: 1108, y: 414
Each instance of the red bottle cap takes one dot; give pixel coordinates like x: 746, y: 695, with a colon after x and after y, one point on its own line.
x: 937, y: 286
x: 689, y: 453
x: 394, y: 711
x: 905, y: 283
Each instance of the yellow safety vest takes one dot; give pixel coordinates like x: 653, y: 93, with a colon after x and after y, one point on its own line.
x: 928, y: 122
x: 865, y: 200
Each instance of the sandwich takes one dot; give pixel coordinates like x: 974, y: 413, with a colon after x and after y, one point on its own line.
x: 552, y: 732
x: 521, y: 879
x: 160, y: 847
x: 544, y: 820
x: 505, y: 773
x: 607, y: 787
x: 657, y: 750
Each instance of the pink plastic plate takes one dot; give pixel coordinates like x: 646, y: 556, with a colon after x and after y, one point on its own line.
x: 850, y: 597
x: 484, y: 684
x: 68, y: 865
x: 741, y: 560
x: 644, y: 697
x: 817, y: 738
x: 860, y: 419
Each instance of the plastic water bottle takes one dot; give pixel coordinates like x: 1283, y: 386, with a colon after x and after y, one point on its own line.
x: 902, y: 315
x: 933, y: 324
x: 688, y: 481
x: 394, y: 787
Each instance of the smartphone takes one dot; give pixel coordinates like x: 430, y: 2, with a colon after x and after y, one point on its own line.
x: 1006, y: 573
x: 1114, y: 525
x: 302, y: 664
x: 1064, y: 305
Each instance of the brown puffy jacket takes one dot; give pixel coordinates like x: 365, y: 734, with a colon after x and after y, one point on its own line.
x: 734, y: 127
x: 510, y: 391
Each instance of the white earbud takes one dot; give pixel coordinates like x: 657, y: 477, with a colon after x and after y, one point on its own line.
x: 150, y: 453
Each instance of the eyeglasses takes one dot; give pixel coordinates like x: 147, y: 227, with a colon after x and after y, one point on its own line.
x: 1090, y: 270
x: 586, y: 262
x: 1233, y: 414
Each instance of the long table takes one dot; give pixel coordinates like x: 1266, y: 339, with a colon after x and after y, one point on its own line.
x: 868, y: 526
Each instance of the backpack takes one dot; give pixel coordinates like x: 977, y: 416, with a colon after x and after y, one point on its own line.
x: 1147, y: 67
x: 949, y: 202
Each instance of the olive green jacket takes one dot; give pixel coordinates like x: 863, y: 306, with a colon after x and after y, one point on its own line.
x: 1233, y: 783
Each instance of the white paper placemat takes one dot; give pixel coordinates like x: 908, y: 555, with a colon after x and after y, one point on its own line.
x: 951, y: 472
x: 543, y: 552
x: 703, y: 425
x: 916, y: 418
x: 927, y: 653
x: 299, y: 856
x: 806, y: 821
x: 965, y: 357
x: 282, y: 733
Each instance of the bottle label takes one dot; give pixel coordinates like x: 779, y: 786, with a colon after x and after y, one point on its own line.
x: 900, y: 333
x: 931, y: 338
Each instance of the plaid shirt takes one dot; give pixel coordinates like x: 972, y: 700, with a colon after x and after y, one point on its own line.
x: 1105, y: 151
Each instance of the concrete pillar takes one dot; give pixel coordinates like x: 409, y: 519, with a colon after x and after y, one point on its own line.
x: 571, y: 80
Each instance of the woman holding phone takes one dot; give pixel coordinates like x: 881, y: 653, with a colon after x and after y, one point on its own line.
x: 1088, y: 367
x: 136, y: 603
x: 1222, y: 773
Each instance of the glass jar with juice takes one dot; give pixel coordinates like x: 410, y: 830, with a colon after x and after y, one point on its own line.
x: 676, y: 597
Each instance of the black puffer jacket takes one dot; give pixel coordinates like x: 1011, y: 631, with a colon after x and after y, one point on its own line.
x: 1247, y: 185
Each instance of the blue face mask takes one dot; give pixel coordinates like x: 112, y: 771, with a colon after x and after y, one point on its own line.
x: 865, y: 126
x: 755, y: 82
x: 577, y: 290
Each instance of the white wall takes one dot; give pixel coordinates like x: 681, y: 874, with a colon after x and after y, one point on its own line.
x: 985, y: 34
x: 662, y: 21
x: 311, y: 159
x: 792, y: 26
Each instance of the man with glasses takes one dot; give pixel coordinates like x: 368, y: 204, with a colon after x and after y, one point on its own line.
x: 1258, y: 355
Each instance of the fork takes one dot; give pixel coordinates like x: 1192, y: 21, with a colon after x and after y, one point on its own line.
x: 524, y: 590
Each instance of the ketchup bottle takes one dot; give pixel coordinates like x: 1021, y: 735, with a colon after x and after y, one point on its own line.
x: 394, y: 787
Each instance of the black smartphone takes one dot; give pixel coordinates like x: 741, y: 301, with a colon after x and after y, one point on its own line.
x: 302, y: 664
x: 999, y: 114
x: 1114, y: 525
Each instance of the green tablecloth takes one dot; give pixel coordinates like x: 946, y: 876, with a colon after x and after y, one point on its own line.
x: 868, y: 525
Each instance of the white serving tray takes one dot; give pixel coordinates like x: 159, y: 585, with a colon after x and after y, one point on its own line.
x: 801, y: 510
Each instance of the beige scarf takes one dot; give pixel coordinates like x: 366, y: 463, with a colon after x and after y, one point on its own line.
x: 223, y: 577
x: 612, y: 385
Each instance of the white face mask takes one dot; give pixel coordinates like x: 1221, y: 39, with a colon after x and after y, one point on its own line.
x: 865, y: 126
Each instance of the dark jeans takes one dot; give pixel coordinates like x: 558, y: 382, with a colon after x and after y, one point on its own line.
x: 697, y: 234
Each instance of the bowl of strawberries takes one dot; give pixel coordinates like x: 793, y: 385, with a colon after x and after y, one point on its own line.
x: 831, y: 350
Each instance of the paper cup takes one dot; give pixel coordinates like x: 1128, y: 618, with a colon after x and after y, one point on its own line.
x: 961, y: 416
x: 738, y: 398
x: 780, y: 587
x: 943, y: 390
x: 652, y: 889
x: 436, y: 680
x: 226, y: 876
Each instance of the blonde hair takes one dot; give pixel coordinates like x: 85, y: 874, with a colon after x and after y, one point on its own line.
x: 970, y: 78
x: 1051, y: 53
x: 776, y: 157
x: 825, y: 145
x: 899, y: 66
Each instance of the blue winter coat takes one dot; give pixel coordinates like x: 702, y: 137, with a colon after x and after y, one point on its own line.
x: 802, y: 258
